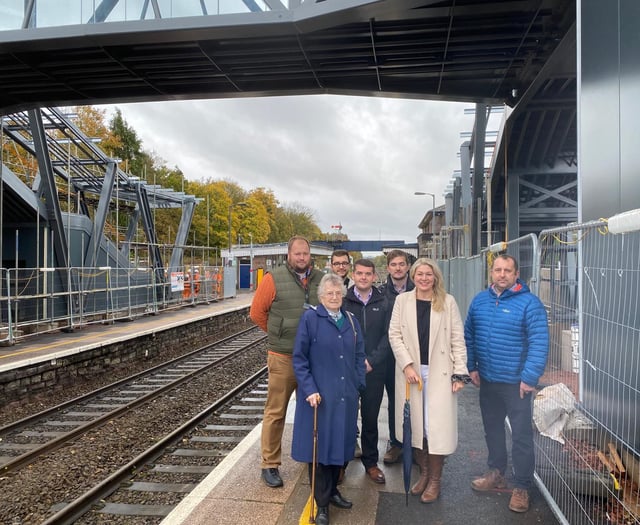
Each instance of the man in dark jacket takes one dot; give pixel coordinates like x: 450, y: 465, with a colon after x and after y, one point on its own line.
x: 507, y: 339
x: 398, y: 281
x: 369, y: 306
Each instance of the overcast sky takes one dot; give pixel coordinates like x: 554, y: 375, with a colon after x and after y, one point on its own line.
x: 353, y: 161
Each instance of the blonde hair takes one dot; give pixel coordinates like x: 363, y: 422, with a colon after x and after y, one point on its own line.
x: 439, y: 292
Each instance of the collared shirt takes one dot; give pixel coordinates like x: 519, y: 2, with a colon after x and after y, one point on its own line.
x: 336, y: 316
x: 403, y: 287
x: 304, y: 276
x: 363, y: 300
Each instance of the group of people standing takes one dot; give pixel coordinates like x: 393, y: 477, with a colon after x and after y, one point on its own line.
x: 341, y: 342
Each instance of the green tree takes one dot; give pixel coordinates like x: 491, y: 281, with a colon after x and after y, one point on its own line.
x: 295, y: 219
x: 125, y: 144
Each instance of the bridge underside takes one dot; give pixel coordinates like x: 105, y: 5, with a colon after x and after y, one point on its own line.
x: 445, y: 50
x: 515, y: 52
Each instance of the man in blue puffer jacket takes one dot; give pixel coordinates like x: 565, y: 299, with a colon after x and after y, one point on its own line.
x: 507, y: 339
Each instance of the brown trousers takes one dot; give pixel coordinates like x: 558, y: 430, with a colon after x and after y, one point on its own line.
x: 282, y: 383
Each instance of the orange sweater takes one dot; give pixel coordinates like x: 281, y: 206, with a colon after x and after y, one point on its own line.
x: 262, y: 301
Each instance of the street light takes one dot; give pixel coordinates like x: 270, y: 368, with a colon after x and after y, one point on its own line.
x: 250, y: 261
x: 433, y: 221
x: 230, y: 208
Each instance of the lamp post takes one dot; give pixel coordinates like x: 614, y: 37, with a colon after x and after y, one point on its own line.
x: 433, y: 221
x: 231, y: 208
x: 250, y: 261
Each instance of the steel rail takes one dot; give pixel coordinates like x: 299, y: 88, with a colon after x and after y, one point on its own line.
x: 56, y: 443
x: 85, y: 502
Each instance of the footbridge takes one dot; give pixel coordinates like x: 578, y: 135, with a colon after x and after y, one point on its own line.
x: 516, y: 53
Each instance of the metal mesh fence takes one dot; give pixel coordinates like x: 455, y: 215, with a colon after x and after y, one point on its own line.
x: 37, y: 300
x: 588, y: 461
x: 587, y: 411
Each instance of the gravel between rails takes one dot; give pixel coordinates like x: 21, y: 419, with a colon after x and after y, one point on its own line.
x: 29, y: 494
x: 20, y: 409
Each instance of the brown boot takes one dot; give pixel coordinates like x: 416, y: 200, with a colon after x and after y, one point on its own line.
x: 432, y: 492
x: 421, y: 457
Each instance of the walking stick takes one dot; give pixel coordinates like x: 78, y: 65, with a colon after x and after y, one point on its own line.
x: 312, y: 518
x: 308, y: 513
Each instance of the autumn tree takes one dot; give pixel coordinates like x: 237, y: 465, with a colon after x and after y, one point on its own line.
x: 262, y: 217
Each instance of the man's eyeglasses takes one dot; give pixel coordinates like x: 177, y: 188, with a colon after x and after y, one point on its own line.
x: 340, y: 264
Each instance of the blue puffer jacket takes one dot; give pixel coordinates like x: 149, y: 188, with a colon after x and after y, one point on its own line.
x: 507, y: 336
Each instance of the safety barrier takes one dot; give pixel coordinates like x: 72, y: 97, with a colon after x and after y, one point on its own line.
x: 588, y: 444
x: 39, y: 300
x: 590, y: 284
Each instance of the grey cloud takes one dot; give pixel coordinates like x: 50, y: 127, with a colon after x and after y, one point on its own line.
x: 349, y: 159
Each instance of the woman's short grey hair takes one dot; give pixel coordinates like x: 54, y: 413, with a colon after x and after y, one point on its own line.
x: 331, y: 279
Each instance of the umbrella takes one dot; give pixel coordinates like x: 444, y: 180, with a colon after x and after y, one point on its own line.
x: 309, y: 507
x: 407, y: 451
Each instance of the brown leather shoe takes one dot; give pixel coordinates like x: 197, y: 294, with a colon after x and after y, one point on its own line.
x: 490, y: 480
x: 375, y: 474
x: 393, y: 455
x: 519, y: 500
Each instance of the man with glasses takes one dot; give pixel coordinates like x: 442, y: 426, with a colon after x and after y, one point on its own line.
x: 340, y: 265
x: 370, y: 307
x: 398, y: 282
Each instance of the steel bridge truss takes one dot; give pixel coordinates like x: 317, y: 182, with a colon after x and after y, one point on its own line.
x: 70, y: 164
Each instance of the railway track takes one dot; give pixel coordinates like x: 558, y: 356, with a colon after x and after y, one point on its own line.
x: 141, y: 488
x: 48, y: 430
x: 130, y: 452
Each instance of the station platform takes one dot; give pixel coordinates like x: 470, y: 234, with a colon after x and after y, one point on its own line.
x: 234, y: 492
x: 56, y: 345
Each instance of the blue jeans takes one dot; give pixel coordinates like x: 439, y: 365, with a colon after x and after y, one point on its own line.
x: 500, y: 400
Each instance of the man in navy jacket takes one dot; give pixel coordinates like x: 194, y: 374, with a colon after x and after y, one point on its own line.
x: 370, y: 308
x: 507, y: 339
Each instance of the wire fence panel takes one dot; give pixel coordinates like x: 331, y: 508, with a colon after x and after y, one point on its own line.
x: 587, y: 411
x: 587, y: 415
x: 464, y: 279
x: 40, y: 300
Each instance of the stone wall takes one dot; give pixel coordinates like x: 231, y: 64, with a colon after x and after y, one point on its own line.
x: 55, y: 373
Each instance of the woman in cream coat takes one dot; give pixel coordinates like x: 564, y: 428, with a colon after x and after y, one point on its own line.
x: 427, y: 339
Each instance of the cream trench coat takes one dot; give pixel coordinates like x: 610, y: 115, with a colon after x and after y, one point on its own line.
x: 447, y: 356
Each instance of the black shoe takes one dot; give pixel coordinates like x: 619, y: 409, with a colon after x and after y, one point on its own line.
x: 338, y: 501
x: 322, y: 517
x: 271, y: 477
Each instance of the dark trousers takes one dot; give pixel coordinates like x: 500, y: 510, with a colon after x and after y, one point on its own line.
x: 500, y: 400
x: 390, y: 387
x: 326, y: 482
x: 370, y: 402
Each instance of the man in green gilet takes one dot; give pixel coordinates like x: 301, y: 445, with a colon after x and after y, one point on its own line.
x: 277, y: 305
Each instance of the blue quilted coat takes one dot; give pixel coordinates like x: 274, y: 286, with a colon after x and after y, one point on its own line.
x: 507, y: 336
x: 328, y: 360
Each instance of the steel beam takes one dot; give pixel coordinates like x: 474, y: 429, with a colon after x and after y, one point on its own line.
x: 48, y: 189
x: 188, y: 207
x: 100, y: 217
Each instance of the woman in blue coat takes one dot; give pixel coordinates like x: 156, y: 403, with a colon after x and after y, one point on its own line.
x: 328, y: 361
